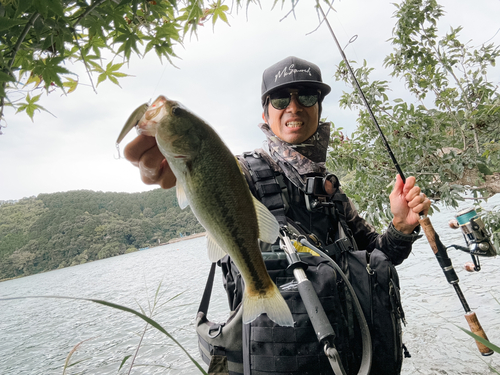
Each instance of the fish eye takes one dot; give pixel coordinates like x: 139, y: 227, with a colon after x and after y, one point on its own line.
x: 178, y: 110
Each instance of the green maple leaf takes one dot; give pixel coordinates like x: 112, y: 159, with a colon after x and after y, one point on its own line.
x: 220, y: 12
x: 111, y: 73
x: 55, y: 6
x: 30, y: 106
x: 71, y: 84
x: 50, y: 70
x: 128, y: 39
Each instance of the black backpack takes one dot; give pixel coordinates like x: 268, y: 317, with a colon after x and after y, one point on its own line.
x: 262, y: 347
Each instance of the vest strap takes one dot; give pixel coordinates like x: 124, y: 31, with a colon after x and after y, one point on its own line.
x: 265, y: 185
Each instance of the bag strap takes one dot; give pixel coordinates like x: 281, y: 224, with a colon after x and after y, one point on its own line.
x: 338, y: 200
x: 265, y: 185
x: 205, y: 300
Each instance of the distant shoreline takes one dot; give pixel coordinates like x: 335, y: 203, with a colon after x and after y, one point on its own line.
x: 173, y: 240
x: 179, y: 239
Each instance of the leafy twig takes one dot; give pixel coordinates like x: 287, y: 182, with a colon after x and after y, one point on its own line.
x: 87, y: 68
x: 87, y: 11
x: 19, y: 41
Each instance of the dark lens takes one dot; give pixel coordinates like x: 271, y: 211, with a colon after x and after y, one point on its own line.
x: 308, y: 97
x: 280, y: 99
x: 308, y: 100
x: 280, y: 103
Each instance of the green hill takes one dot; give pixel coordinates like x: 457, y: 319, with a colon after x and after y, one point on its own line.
x: 63, y: 229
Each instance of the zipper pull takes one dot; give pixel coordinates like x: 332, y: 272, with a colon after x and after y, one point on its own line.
x: 368, y: 268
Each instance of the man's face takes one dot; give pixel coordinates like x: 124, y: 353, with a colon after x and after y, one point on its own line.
x: 295, y: 123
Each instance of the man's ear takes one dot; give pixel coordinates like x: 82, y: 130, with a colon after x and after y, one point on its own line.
x: 264, y: 117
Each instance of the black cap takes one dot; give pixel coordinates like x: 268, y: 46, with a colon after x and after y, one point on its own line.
x: 292, y: 71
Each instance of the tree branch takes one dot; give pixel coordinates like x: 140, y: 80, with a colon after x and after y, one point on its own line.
x: 84, y: 61
x: 450, y: 70
x: 20, y: 40
x: 28, y: 26
x: 89, y: 9
x: 25, y: 31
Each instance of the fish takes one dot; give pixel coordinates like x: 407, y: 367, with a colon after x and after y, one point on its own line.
x: 210, y: 181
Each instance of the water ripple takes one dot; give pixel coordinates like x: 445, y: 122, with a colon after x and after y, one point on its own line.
x: 38, y: 334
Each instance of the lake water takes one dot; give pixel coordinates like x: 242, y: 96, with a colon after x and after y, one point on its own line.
x: 36, y: 335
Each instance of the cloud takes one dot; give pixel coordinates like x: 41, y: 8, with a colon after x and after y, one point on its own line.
x: 218, y: 77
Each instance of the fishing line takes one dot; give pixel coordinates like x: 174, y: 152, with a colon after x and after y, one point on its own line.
x: 435, y: 243
x: 158, y: 84
x: 363, y: 98
x: 492, y: 36
x: 324, y: 19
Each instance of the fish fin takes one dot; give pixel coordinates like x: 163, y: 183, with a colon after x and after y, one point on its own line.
x: 215, y: 252
x: 181, y: 196
x: 239, y: 165
x: 268, y: 225
x: 132, y: 121
x: 272, y: 303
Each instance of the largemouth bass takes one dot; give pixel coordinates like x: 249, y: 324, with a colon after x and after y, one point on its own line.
x: 209, y: 179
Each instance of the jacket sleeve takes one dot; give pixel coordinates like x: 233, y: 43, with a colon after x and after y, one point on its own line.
x: 395, y: 244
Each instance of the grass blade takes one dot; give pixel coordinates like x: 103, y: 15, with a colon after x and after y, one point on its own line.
x: 126, y: 309
x: 481, y: 340
x: 123, y: 361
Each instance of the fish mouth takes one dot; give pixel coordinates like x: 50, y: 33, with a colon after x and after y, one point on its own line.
x: 154, y: 114
x: 294, y: 124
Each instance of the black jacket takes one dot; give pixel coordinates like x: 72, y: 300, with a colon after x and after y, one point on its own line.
x: 395, y: 244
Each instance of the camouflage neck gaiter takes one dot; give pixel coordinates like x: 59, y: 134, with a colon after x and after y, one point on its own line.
x: 298, y: 160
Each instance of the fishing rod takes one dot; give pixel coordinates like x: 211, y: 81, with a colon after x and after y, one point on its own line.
x: 437, y: 246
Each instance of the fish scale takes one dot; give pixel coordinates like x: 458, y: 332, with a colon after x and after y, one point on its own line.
x: 239, y: 235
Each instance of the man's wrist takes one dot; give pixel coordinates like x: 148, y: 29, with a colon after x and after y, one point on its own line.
x: 403, y: 227
x: 401, y: 236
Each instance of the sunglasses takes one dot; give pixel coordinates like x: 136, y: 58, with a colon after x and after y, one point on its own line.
x: 306, y: 97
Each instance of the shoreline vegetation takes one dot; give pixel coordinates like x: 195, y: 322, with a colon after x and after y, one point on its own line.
x: 51, y: 231
x: 190, y: 237
x: 171, y: 241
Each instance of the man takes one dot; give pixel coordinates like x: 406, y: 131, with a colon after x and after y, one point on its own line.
x: 295, y: 123
x: 292, y: 93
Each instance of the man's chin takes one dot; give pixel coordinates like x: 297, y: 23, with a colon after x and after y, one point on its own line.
x: 294, y: 137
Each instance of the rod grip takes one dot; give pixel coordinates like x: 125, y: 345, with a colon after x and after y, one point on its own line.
x: 476, y: 328
x: 430, y: 233
x: 439, y: 250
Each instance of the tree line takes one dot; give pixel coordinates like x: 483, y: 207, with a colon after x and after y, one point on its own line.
x: 447, y: 135
x: 64, y: 229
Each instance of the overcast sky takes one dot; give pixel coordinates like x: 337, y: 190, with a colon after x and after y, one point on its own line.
x: 218, y: 77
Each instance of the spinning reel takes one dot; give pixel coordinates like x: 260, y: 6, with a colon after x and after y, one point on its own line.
x: 476, y: 237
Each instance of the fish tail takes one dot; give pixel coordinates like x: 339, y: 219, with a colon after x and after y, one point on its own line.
x: 271, y: 303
